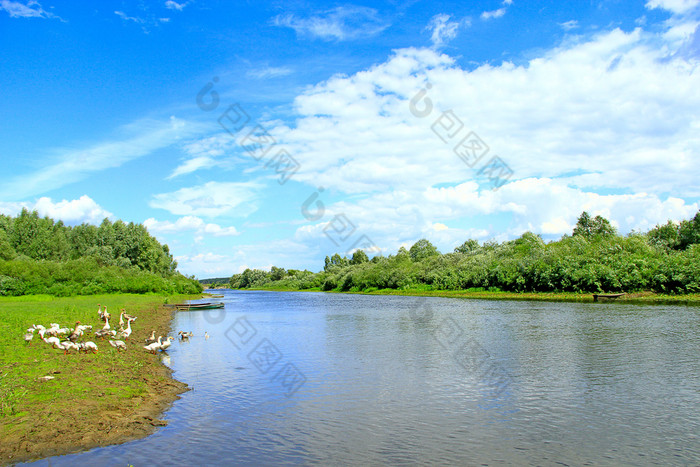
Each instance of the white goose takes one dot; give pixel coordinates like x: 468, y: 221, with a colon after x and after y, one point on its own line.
x: 28, y: 337
x: 52, y: 340
x: 167, y: 343
x: 154, y: 346
x: 88, y: 346
x: 126, y: 332
x: 119, y: 345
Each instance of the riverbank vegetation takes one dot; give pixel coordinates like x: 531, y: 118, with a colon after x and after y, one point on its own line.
x: 42, y: 256
x: 90, y: 399
x: 594, y: 259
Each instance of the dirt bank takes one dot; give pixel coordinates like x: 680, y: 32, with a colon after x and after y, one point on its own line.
x: 94, y: 400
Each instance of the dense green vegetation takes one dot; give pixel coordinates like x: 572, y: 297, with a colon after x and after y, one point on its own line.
x: 215, y: 282
x: 593, y: 259
x: 41, y: 256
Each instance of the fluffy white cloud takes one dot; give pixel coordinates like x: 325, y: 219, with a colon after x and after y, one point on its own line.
x: 340, y: 23
x: 493, y: 14
x: 675, y: 6
x: 545, y: 206
x: 606, y: 123
x: 210, y: 200
x: 172, y: 5
x: 283, y: 253
x: 189, y: 224
x: 77, y: 211
x: 580, y: 112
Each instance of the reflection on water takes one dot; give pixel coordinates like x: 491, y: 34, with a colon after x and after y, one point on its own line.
x: 297, y: 378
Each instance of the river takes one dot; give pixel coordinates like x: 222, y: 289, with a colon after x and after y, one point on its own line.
x: 313, y: 378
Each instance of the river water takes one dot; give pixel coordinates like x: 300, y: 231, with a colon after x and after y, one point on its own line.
x: 315, y: 378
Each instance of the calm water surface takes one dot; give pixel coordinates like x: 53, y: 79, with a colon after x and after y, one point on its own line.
x: 312, y: 378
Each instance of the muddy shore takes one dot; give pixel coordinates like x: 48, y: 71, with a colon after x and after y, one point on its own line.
x: 108, y: 411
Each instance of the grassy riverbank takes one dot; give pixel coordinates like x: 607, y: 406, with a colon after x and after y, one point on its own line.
x: 94, y: 399
x: 637, y: 297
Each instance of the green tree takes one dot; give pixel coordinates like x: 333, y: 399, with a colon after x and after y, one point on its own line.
x: 665, y: 236
x: 689, y: 232
x: 359, y: 257
x: 467, y: 247
x: 277, y: 274
x: 7, y: 252
x: 587, y: 227
x: 421, y: 250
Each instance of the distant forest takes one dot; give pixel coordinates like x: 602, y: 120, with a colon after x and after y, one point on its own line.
x: 41, y: 256
x: 594, y: 258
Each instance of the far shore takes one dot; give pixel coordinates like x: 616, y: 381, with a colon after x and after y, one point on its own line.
x: 648, y: 298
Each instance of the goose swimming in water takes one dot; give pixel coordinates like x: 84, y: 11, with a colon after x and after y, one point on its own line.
x: 167, y: 343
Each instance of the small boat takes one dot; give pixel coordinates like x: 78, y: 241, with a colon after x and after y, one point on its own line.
x: 217, y: 296
x: 198, y: 306
x: 596, y: 296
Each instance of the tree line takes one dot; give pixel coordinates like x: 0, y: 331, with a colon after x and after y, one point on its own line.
x: 594, y: 258
x: 40, y: 255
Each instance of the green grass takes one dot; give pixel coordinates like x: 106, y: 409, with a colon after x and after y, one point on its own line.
x: 107, y: 380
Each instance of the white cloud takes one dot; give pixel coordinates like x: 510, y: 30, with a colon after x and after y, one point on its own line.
x: 442, y: 29
x: 207, y: 153
x: 569, y: 25
x: 606, y: 123
x: 269, y: 72
x: 289, y: 254
x: 581, y: 112
x: 486, y: 15
x: 210, y: 200
x: 126, y: 17
x: 30, y: 9
x: 189, y: 224
x: 675, y: 6
x: 77, y: 211
x: 171, y: 5
x: 139, y: 139
x: 340, y: 23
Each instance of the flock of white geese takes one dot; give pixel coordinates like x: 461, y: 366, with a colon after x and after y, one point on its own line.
x: 54, y: 334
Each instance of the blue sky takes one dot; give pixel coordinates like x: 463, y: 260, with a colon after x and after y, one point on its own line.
x: 252, y: 134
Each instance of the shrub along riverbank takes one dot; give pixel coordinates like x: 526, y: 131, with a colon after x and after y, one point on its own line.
x: 93, y: 399
x: 594, y: 259
x: 41, y: 256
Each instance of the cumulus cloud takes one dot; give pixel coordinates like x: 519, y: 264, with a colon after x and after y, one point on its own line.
x: 189, y: 224
x: 73, y: 212
x: 281, y: 253
x: 675, y: 6
x: 210, y: 200
x: 577, y: 125
x: 340, y: 23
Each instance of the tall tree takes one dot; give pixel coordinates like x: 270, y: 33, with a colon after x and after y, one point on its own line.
x: 422, y: 249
